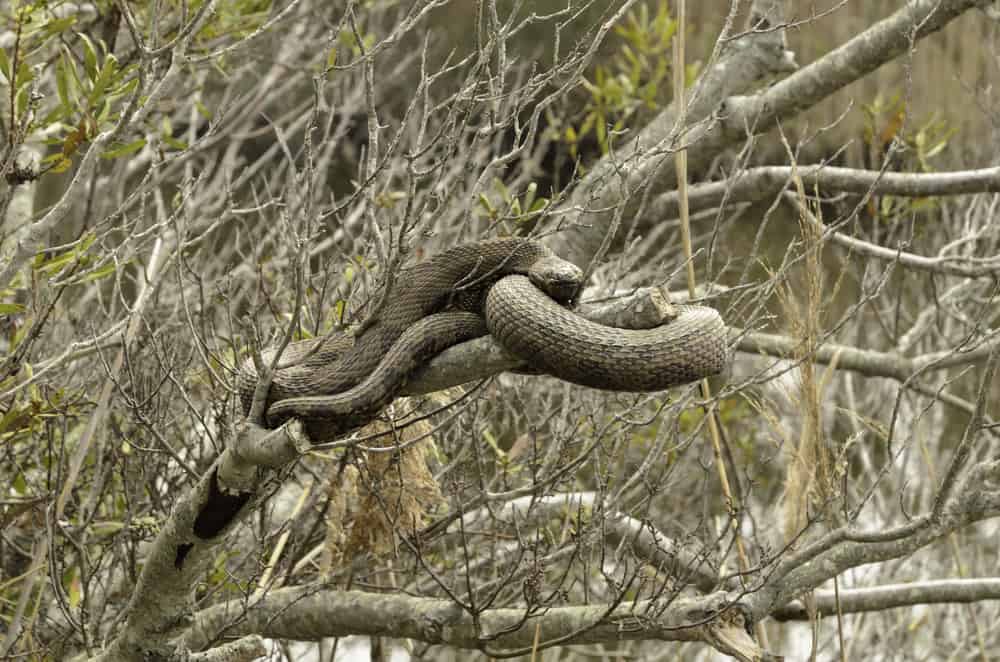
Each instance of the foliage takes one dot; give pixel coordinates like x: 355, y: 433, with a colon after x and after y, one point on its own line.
x: 66, y: 88
x: 889, y: 129
x: 635, y: 78
x: 233, y: 177
x: 517, y: 209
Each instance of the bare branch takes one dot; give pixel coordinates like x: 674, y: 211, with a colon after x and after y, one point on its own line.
x: 756, y: 184
x: 894, y: 596
x: 309, y: 613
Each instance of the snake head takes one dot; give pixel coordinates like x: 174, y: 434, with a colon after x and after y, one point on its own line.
x: 558, y: 278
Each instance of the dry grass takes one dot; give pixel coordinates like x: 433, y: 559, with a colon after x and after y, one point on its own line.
x: 393, y: 491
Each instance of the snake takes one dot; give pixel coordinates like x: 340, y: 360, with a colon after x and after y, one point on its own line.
x: 514, y: 289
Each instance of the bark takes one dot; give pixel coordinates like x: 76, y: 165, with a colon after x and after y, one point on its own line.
x: 894, y: 596
x: 312, y: 613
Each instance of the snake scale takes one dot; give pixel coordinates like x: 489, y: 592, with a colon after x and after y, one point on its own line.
x: 513, y: 289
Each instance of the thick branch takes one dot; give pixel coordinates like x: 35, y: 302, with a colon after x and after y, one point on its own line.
x: 310, y: 613
x: 247, y: 649
x: 893, y: 596
x: 865, y: 361
x: 179, y: 556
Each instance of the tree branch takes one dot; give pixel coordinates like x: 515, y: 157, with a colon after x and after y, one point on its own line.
x: 686, y: 562
x: 893, y: 596
x: 976, y: 498
x: 648, y: 156
x: 311, y: 613
x: 755, y: 184
x: 963, y: 266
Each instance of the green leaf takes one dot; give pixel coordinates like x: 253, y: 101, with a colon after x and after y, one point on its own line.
x: 87, y: 241
x: 122, y: 150
x: 104, y: 529
x: 484, y: 202
x: 501, y: 188
x: 10, y: 308
x: 529, y: 197
x: 24, y: 75
x: 22, y: 101
x: 4, y: 64
x: 125, y: 88
x: 492, y: 442
x: 73, y: 589
x: 104, y: 112
x: 57, y: 25
x: 203, y: 110
x: 103, y: 79
x: 100, y: 273
x: 55, y: 115
x: 331, y: 58
x: 62, y: 84
x: 62, y: 166
x: 55, y: 264
x: 629, y: 55
x: 540, y: 204
x: 175, y: 143
x: 89, y: 57
x: 14, y: 416
x: 72, y: 86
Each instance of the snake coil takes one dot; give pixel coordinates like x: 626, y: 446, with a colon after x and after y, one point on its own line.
x: 510, y: 288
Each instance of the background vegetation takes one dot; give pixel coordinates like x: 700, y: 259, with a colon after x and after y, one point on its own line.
x: 187, y: 183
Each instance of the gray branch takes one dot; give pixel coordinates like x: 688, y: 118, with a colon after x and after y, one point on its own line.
x: 964, y: 266
x: 180, y: 555
x: 756, y: 184
x: 312, y: 613
x: 893, y: 596
x: 867, y: 362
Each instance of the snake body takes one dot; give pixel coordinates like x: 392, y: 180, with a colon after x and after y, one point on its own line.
x: 454, y: 280
x: 561, y: 343
x: 510, y: 288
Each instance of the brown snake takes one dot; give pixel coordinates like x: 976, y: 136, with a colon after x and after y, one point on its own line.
x: 508, y: 288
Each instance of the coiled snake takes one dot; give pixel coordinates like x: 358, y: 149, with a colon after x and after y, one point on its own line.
x: 510, y: 288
